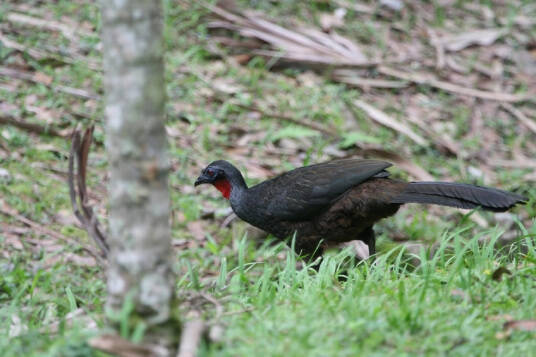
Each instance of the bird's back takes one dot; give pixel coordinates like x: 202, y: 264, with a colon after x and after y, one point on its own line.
x: 306, y: 191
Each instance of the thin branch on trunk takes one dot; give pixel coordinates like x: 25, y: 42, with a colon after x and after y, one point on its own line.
x: 83, y: 211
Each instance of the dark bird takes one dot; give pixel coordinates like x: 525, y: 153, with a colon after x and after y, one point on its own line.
x: 338, y: 201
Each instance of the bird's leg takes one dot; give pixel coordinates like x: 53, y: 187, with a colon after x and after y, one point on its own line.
x: 367, y: 236
x: 310, y: 250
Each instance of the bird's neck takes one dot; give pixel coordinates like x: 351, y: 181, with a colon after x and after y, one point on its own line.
x: 238, y: 189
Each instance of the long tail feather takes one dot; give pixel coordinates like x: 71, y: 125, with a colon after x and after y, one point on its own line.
x: 459, y: 195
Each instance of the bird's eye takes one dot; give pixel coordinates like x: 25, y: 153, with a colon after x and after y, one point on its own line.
x: 210, y: 173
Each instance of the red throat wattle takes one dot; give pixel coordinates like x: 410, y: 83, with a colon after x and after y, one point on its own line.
x: 224, y: 187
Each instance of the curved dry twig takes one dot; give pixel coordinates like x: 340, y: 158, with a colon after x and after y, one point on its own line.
x: 80, y: 146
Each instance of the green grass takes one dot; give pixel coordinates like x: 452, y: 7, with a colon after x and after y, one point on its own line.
x: 266, y: 301
x: 385, y: 309
x: 41, y: 298
x: 448, y: 304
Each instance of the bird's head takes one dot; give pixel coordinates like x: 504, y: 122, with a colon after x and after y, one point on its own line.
x: 223, y: 175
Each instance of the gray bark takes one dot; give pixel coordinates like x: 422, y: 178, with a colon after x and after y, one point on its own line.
x: 140, y: 238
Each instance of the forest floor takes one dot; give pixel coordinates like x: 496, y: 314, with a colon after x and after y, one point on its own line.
x: 443, y: 89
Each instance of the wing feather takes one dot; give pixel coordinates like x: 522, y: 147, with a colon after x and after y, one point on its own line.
x: 304, y: 192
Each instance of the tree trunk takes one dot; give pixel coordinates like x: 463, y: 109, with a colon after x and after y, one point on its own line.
x: 140, y: 237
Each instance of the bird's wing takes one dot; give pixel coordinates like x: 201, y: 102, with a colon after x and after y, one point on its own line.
x: 304, y: 192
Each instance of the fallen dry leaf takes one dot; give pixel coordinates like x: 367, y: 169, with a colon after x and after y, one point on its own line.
x: 356, y: 6
x: 388, y: 121
x: 300, y: 44
x: 64, y: 258
x: 227, y: 86
x: 505, y: 317
x: 42, y: 78
x: 469, y: 38
x: 256, y: 171
x: 77, y: 315
x: 13, y: 241
x: 191, y: 337
x: 196, y: 229
x: 395, y: 5
x: 519, y: 115
x: 520, y: 325
x: 180, y: 217
x: 516, y: 325
x: 330, y: 21
x: 43, y: 24
x: 66, y: 217
x: 80, y: 260
x: 31, y: 127
x: 17, y: 327
x: 430, y: 80
x: 118, y: 346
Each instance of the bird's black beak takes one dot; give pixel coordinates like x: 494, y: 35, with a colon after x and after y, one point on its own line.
x: 201, y: 180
